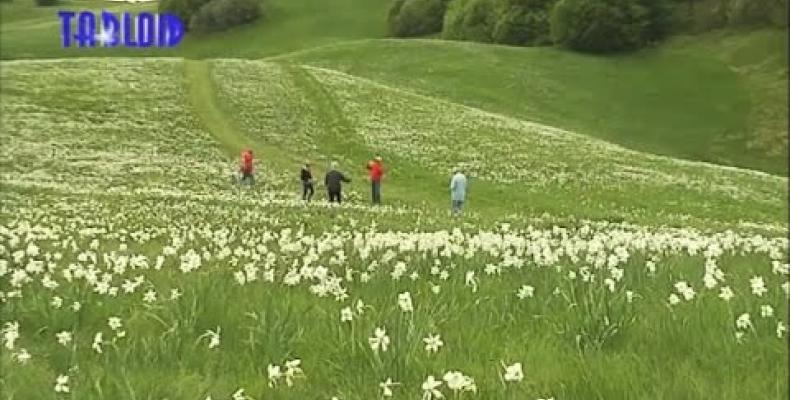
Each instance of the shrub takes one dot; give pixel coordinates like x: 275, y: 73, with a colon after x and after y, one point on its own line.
x: 514, y: 22
x: 600, y: 26
x: 660, y: 19
x: 416, y: 17
x: 704, y: 15
x: 394, y: 11
x: 218, y: 15
x: 523, y: 22
x: 756, y: 12
x: 470, y: 20
x: 46, y: 3
x: 183, y: 9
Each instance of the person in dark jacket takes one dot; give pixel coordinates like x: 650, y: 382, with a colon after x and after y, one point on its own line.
x: 307, y: 182
x: 333, y: 182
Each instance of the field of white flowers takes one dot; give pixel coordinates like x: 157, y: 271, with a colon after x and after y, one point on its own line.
x: 543, y: 163
x: 131, y: 267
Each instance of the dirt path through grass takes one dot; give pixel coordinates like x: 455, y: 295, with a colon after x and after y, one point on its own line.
x: 229, y: 134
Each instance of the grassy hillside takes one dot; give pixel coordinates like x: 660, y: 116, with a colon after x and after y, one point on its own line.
x: 591, y: 262
x: 132, y: 266
x: 330, y: 113
x: 719, y: 97
x: 714, y: 98
x: 290, y: 113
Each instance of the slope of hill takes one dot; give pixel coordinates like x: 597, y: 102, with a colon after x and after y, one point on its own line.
x: 133, y: 267
x: 719, y: 97
x: 291, y: 113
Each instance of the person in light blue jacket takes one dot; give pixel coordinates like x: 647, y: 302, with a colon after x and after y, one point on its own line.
x: 457, y: 191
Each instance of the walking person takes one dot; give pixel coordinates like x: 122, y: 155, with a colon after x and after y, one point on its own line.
x: 306, y: 177
x: 375, y: 172
x: 457, y: 191
x: 334, y: 183
x: 246, y: 168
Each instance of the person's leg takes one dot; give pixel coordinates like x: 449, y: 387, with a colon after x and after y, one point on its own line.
x: 377, y: 192
x: 304, y: 191
x: 310, y: 191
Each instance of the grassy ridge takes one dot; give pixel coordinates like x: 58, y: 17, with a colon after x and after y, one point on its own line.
x: 718, y: 97
x: 139, y: 175
x: 334, y: 115
x: 706, y: 98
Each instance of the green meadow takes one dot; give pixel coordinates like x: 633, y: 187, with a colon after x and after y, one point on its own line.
x: 624, y: 234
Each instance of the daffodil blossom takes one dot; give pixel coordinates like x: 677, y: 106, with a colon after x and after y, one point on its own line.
x: 433, y: 343
x: 274, y: 374
x: 525, y: 291
x: 766, y: 311
x: 97, y: 343
x: 10, y: 334
x: 213, y: 337
x: 513, y: 373
x: 346, y: 315
x: 405, y: 303
x: 62, y: 384
x: 379, y: 341
x: 743, y: 321
x: 386, y: 387
x: 22, y: 356
x: 63, y: 337
x: 457, y: 381
x: 430, y: 388
x: 726, y: 293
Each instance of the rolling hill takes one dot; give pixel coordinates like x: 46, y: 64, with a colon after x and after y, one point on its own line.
x: 602, y: 253
x: 198, y: 285
x: 718, y: 97
x: 290, y: 113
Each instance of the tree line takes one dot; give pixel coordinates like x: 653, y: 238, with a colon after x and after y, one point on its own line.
x: 596, y: 26
x: 213, y: 15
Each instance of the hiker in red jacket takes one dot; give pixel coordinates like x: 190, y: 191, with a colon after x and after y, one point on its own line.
x: 245, y: 166
x: 375, y: 172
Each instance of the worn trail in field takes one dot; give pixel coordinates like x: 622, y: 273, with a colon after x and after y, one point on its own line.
x: 341, y: 139
x: 228, y: 133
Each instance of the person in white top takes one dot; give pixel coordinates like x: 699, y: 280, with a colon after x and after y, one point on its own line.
x: 457, y: 191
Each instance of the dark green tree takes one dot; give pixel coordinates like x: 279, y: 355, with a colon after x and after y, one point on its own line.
x: 600, y: 26
x: 472, y: 20
x: 523, y: 22
x: 416, y: 17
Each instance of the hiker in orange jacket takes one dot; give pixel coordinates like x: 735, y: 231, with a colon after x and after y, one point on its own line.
x: 375, y: 172
x: 246, y: 167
